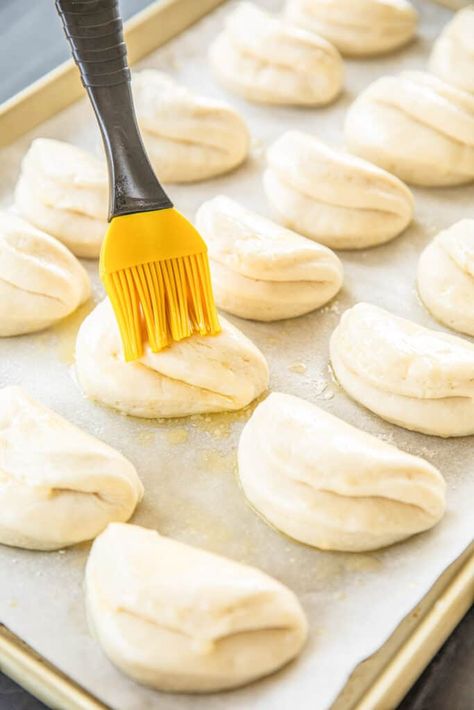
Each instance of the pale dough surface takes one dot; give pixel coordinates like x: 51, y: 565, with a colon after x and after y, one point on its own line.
x: 265, y: 59
x: 452, y: 56
x: 334, y: 197
x: 58, y: 485
x: 224, y: 372
x: 63, y: 190
x: 188, y: 137
x: 446, y: 276
x: 178, y: 618
x: 261, y: 270
x: 418, y: 378
x: 330, y: 485
x: 416, y: 126
x: 357, y: 27
x: 40, y: 280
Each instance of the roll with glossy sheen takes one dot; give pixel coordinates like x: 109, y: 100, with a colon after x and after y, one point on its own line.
x: 418, y: 378
x: 63, y: 190
x: 181, y: 619
x: 267, y: 60
x: 261, y: 270
x: 41, y: 282
x: 417, y: 127
x: 197, y: 375
x: 358, y: 28
x: 333, y: 197
x: 446, y: 276
x: 58, y: 485
x: 328, y: 484
x: 188, y: 137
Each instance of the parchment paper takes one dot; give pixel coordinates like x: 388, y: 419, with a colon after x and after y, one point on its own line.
x: 353, y: 601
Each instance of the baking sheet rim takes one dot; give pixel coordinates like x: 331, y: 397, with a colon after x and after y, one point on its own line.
x: 390, y: 685
x: 145, y: 32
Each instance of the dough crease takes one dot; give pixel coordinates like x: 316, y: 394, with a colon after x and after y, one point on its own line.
x: 418, y: 378
x: 330, y: 485
x: 181, y: 619
x: 58, y: 485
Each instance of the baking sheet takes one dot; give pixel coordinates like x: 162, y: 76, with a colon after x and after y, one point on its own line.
x: 353, y: 601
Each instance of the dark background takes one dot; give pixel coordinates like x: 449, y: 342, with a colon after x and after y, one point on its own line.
x: 31, y: 44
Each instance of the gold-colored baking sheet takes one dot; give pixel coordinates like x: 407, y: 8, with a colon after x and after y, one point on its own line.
x: 378, y: 683
x: 188, y: 466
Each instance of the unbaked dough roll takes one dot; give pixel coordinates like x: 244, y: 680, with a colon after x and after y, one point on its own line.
x: 58, y: 485
x: 452, y: 57
x: 267, y: 60
x: 333, y: 197
x: 357, y: 27
x: 446, y: 276
x: 40, y: 280
x: 328, y: 484
x: 64, y: 190
x: 181, y: 619
x: 188, y: 137
x: 416, y: 126
x: 418, y: 378
x: 261, y: 270
x: 201, y: 374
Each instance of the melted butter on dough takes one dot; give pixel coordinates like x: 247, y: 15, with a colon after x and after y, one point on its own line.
x: 196, y: 375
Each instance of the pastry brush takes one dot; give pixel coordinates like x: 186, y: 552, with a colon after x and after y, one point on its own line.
x: 153, y: 262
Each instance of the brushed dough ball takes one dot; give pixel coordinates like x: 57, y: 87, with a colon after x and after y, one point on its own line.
x: 452, y: 57
x: 358, y: 28
x: 328, y: 484
x: 333, y: 197
x: 446, y: 276
x: 181, y: 619
x: 40, y: 280
x: 58, y: 485
x: 201, y: 374
x: 263, y: 271
x: 64, y: 190
x: 267, y: 60
x: 418, y: 378
x: 417, y: 127
x: 188, y: 137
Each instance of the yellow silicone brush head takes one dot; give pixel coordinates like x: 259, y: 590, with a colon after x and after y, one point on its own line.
x: 155, y: 270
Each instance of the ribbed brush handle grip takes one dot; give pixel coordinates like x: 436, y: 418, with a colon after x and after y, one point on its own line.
x: 94, y: 30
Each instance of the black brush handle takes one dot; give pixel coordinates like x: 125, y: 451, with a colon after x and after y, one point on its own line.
x: 94, y: 30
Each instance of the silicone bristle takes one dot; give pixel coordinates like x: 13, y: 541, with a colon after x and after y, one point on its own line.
x: 162, y: 301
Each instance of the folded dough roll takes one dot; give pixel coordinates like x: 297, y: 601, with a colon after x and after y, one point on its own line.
x: 416, y: 126
x: 200, y: 374
x: 188, y: 137
x: 267, y: 60
x: 58, y: 485
x: 40, y: 280
x: 358, y: 28
x: 64, y: 190
x: 181, y: 619
x: 446, y: 276
x: 452, y: 57
x: 263, y: 271
x: 418, y: 378
x: 333, y: 197
x: 328, y: 484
